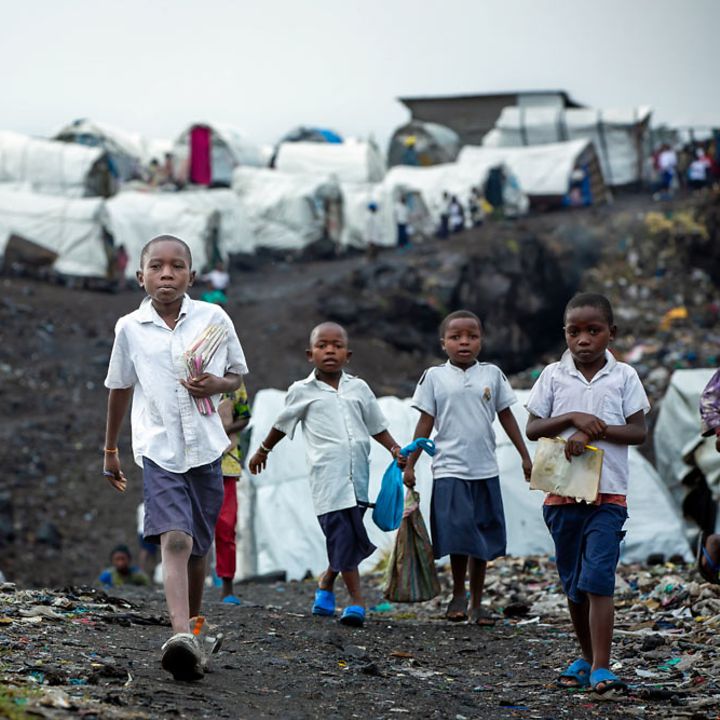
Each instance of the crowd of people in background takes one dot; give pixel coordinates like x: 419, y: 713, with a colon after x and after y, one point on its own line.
x: 693, y: 166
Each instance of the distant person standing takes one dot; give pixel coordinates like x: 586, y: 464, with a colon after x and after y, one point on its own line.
x: 402, y: 220
x: 457, y: 215
x: 667, y: 164
x: 475, y: 209
x: 444, y: 228
x: 218, y: 280
x: 698, y: 173
x: 234, y: 411
x: 373, y: 230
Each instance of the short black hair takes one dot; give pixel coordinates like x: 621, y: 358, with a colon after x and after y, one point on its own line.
x: 455, y: 316
x: 593, y: 300
x: 122, y: 548
x: 316, y: 330
x: 162, y: 238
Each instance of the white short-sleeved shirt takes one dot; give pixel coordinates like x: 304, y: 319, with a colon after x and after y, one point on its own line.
x: 337, y: 426
x: 614, y: 394
x: 464, y: 404
x: 147, y: 355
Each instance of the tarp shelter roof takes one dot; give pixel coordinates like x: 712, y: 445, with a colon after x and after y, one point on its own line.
x: 283, y: 498
x: 284, y: 209
x: 47, y: 166
x: 351, y: 161
x: 136, y: 217
x: 72, y: 228
x: 111, y: 138
x: 542, y: 170
x: 617, y: 134
x: 306, y: 133
x: 241, y: 148
x: 677, y: 432
x: 432, y: 144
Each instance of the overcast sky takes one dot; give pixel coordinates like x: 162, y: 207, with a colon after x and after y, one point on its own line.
x: 265, y: 66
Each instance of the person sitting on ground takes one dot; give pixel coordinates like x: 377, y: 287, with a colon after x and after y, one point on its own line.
x: 339, y: 414
x: 708, y: 546
x: 234, y: 411
x: 589, y: 397
x: 121, y: 571
x: 460, y: 400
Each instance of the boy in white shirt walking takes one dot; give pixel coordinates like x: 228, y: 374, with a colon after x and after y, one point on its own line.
x: 339, y: 414
x: 177, y: 446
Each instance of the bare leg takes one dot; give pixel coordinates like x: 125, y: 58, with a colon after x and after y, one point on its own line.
x: 477, y: 581
x: 196, y: 571
x: 458, y: 565
x: 602, y: 620
x: 580, y: 616
x: 176, y: 547
x: 227, y: 587
x: 352, y: 583
x: 327, y: 580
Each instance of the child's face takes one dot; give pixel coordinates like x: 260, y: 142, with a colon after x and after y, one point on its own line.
x: 120, y: 561
x: 329, y: 351
x: 588, y: 334
x: 462, y: 341
x: 166, y: 274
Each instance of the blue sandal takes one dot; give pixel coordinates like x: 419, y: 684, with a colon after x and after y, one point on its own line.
x: 611, y: 682
x: 353, y: 615
x: 579, y: 671
x: 324, y: 603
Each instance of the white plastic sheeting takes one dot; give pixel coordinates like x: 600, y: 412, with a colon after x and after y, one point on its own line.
x: 352, y: 161
x: 677, y: 433
x: 542, y: 170
x: 72, y: 228
x: 136, y: 217
x: 285, y: 210
x: 287, y: 535
x: 46, y: 166
x: 230, y: 148
x: 616, y: 134
x: 455, y: 178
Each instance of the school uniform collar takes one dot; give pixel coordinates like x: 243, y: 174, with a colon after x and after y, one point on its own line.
x: 146, y: 313
x: 311, y: 378
x: 568, y: 364
x: 455, y: 368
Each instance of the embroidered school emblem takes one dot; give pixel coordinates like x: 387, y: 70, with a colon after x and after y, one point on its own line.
x: 486, y: 394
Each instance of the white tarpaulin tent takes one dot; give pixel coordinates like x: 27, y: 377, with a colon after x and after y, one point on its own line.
x: 352, y: 161
x: 210, y: 222
x: 230, y: 148
x: 286, y: 210
x: 454, y: 178
x: 50, y: 167
x: 287, y: 535
x: 541, y: 170
x: 618, y: 135
x: 678, y: 444
x: 128, y: 150
x: 72, y: 228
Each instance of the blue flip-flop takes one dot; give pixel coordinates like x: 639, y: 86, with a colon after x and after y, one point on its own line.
x: 324, y: 603
x: 578, y: 671
x: 353, y: 615
x: 232, y: 600
x: 612, y: 682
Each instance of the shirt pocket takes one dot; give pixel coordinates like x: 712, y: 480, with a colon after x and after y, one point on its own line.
x: 612, y: 408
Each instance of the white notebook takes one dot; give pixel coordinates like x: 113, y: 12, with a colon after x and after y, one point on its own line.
x: 579, y: 479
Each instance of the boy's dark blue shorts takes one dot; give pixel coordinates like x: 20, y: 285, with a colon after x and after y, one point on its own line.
x: 189, y: 502
x: 346, y: 538
x: 587, y: 546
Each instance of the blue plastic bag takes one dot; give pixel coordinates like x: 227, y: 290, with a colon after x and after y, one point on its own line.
x: 388, y: 510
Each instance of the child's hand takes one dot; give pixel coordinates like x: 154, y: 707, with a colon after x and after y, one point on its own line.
x: 575, y: 444
x: 589, y: 424
x: 400, y: 459
x: 527, y: 468
x: 409, y: 477
x: 113, y: 473
x: 258, y: 462
x: 204, y: 385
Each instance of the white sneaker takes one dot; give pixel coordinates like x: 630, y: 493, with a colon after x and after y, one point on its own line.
x: 183, y: 656
x: 209, y: 638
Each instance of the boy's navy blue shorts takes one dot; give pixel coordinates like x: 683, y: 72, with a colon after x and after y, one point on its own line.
x: 189, y: 502
x: 587, y: 546
x: 346, y: 538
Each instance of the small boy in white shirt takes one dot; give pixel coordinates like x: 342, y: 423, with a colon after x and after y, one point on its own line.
x: 339, y: 414
x: 177, y: 446
x: 590, y: 397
